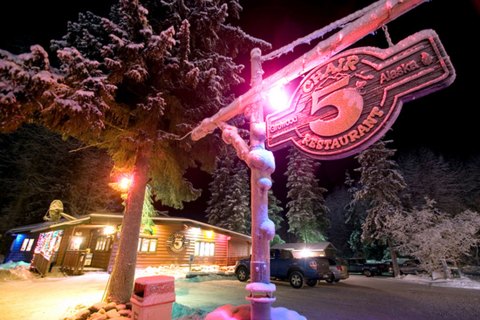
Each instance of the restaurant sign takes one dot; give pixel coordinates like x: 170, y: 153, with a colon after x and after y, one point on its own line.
x: 349, y: 102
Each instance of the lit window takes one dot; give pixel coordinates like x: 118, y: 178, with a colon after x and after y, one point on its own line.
x: 204, y: 249
x: 147, y: 245
x: 103, y: 244
x: 27, y: 244
x: 76, y: 242
x: 153, y: 245
x: 30, y: 244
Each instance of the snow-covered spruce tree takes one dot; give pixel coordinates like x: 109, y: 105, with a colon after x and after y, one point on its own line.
x: 134, y: 83
x: 219, y: 186
x: 470, y: 175
x: 432, y: 235
x: 229, y: 205
x: 428, y: 174
x: 307, y: 213
x: 380, y: 186
x: 36, y: 168
x: 148, y: 212
x: 339, y: 231
x: 237, y: 216
x: 275, y: 214
x: 355, y: 213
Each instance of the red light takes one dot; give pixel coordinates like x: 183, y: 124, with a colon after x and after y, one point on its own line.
x: 125, y: 183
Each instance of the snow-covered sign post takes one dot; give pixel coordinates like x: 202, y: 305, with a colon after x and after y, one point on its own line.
x: 346, y: 103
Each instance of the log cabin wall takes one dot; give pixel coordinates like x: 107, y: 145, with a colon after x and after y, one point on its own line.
x: 176, y: 242
x: 238, y: 249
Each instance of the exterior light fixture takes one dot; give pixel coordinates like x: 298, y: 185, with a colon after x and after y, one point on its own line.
x: 209, y: 234
x: 278, y: 98
x: 108, y: 230
x: 125, y: 183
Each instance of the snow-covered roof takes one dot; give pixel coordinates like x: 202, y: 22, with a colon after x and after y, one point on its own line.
x: 181, y: 220
x: 51, y: 225
x: 30, y: 227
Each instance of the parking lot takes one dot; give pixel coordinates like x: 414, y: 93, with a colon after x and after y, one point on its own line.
x: 356, y: 298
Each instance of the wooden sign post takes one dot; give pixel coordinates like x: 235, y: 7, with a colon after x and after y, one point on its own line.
x: 349, y: 102
x: 344, y: 104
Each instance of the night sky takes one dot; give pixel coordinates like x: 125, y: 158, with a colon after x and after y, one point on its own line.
x: 445, y: 121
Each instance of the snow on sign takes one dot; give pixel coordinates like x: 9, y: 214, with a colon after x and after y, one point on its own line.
x: 347, y: 103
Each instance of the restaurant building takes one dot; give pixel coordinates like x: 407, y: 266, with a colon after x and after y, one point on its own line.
x: 92, y: 241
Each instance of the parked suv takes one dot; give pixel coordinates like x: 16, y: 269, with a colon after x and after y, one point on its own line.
x: 368, y: 269
x: 290, y: 265
x: 339, y: 269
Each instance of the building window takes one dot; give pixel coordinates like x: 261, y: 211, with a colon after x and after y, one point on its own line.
x: 103, y: 244
x: 204, y: 249
x: 147, y: 245
x: 27, y: 244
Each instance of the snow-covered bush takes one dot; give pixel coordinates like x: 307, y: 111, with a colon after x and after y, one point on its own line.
x: 432, y: 235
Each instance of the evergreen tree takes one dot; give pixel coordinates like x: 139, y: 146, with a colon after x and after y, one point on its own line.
x: 148, y: 212
x: 88, y: 183
x: 470, y: 175
x: 135, y: 84
x: 380, y: 186
x: 274, y: 213
x: 37, y: 167
x: 339, y: 231
x: 431, y: 175
x: 307, y: 213
x: 238, y: 199
x: 355, y: 215
x: 229, y: 206
x: 221, y: 180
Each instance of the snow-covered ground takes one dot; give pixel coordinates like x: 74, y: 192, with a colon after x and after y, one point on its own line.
x: 25, y: 295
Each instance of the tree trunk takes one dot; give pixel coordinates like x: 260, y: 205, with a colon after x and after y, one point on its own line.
x: 120, y: 285
x: 393, y: 255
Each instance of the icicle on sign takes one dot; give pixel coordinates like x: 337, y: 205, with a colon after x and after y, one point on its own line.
x: 349, y: 102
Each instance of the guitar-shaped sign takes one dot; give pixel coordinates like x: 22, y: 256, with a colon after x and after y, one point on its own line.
x: 349, y: 102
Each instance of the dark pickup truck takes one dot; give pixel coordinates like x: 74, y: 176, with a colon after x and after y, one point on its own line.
x: 289, y: 265
x: 368, y: 269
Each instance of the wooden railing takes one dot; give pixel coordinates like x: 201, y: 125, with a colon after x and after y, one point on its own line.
x: 74, y: 261
x: 40, y: 264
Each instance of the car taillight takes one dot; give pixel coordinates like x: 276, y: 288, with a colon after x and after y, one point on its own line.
x: 313, y: 264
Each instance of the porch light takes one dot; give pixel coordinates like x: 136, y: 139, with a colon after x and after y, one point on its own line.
x: 76, y: 242
x: 209, y: 234
x: 125, y: 183
x: 109, y: 230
